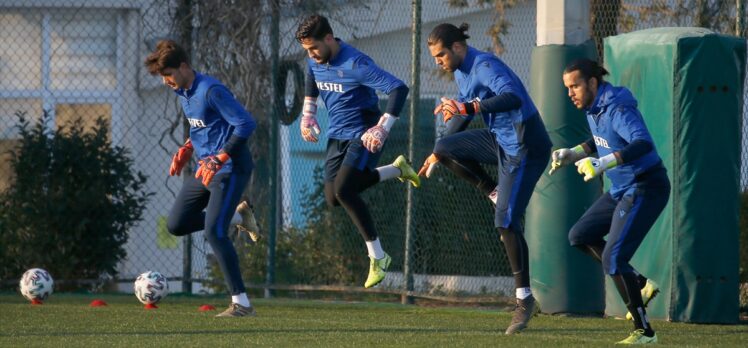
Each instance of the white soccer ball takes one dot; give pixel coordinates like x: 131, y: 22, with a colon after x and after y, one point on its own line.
x: 151, y: 287
x: 36, y: 284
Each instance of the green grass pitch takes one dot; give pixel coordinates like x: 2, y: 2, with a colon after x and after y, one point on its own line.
x: 67, y: 320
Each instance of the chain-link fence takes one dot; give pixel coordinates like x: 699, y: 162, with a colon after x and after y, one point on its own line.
x: 70, y: 59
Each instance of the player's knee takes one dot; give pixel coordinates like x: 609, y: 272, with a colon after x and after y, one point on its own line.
x: 330, y: 199
x: 176, y: 227
x: 505, y: 233
x: 608, y: 267
x: 344, y: 193
x: 611, y: 266
x: 576, y: 236
x: 441, y: 148
x: 213, y: 232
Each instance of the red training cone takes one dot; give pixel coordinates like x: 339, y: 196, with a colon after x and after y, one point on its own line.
x: 150, y: 306
x: 207, y: 307
x: 98, y: 303
x: 36, y: 302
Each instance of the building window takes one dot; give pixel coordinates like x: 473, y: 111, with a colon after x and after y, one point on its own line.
x: 62, y: 61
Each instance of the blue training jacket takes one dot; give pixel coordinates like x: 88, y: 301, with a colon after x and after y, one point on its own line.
x: 215, y: 116
x: 482, y: 75
x: 347, y: 85
x: 615, y: 122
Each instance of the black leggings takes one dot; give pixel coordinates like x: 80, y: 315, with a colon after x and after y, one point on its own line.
x: 344, y: 191
x: 463, y: 153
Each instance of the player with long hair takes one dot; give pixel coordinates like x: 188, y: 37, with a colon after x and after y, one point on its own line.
x: 639, y: 190
x: 515, y: 139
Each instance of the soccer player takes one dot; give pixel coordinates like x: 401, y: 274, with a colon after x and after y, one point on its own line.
x: 346, y: 80
x: 639, y: 187
x: 219, y: 130
x: 515, y: 139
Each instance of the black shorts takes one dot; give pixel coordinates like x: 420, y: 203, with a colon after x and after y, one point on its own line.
x: 348, y: 152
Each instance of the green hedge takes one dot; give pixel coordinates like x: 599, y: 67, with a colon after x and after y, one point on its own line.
x: 71, y: 201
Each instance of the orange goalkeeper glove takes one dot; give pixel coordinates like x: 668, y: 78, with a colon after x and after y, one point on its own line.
x: 181, y: 158
x: 451, y: 107
x: 209, y: 166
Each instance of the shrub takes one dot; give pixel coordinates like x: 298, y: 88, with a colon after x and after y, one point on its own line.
x: 71, y: 202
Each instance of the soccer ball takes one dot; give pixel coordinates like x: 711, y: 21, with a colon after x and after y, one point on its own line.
x: 36, y: 284
x: 151, y: 287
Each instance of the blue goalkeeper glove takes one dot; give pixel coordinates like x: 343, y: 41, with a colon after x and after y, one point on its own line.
x: 592, y: 167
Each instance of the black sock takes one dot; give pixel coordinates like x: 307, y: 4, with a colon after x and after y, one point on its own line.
x: 628, y: 286
x: 642, y: 281
x: 517, y: 253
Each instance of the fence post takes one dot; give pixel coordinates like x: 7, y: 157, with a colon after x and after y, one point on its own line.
x: 739, y: 18
x: 415, y: 90
x: 184, y: 17
x: 274, y: 151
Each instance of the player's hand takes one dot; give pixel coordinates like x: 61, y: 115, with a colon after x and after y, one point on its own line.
x: 592, y: 167
x: 209, y: 166
x: 451, y: 107
x: 375, y: 137
x: 309, y: 126
x: 428, y: 166
x: 565, y: 157
x: 181, y: 158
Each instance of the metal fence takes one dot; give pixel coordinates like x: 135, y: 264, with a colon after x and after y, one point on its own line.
x: 73, y: 59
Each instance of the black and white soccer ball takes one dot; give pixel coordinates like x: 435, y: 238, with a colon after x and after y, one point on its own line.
x: 36, y: 284
x: 151, y: 287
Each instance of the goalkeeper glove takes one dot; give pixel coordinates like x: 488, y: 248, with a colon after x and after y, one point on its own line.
x: 451, y: 107
x: 592, y: 167
x: 181, y: 158
x: 374, y: 138
x: 209, y: 166
x: 428, y: 166
x: 564, y: 157
x: 309, y: 126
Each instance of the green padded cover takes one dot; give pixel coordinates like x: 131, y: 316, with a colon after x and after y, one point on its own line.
x: 689, y: 84
x: 564, y: 279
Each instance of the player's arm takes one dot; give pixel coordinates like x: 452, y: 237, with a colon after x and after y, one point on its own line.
x: 371, y: 75
x: 235, y: 114
x: 627, y: 123
x: 308, y: 124
x: 489, y: 74
x: 221, y: 100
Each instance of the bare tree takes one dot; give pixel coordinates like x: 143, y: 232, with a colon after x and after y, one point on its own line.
x: 229, y: 39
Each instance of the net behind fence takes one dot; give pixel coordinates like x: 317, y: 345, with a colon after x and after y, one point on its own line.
x: 70, y: 62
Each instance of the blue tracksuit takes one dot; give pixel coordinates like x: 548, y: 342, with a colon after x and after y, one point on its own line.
x: 616, y: 122
x: 639, y: 188
x: 215, y: 117
x: 481, y: 76
x: 347, y: 85
x: 516, y: 139
x: 217, y: 123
